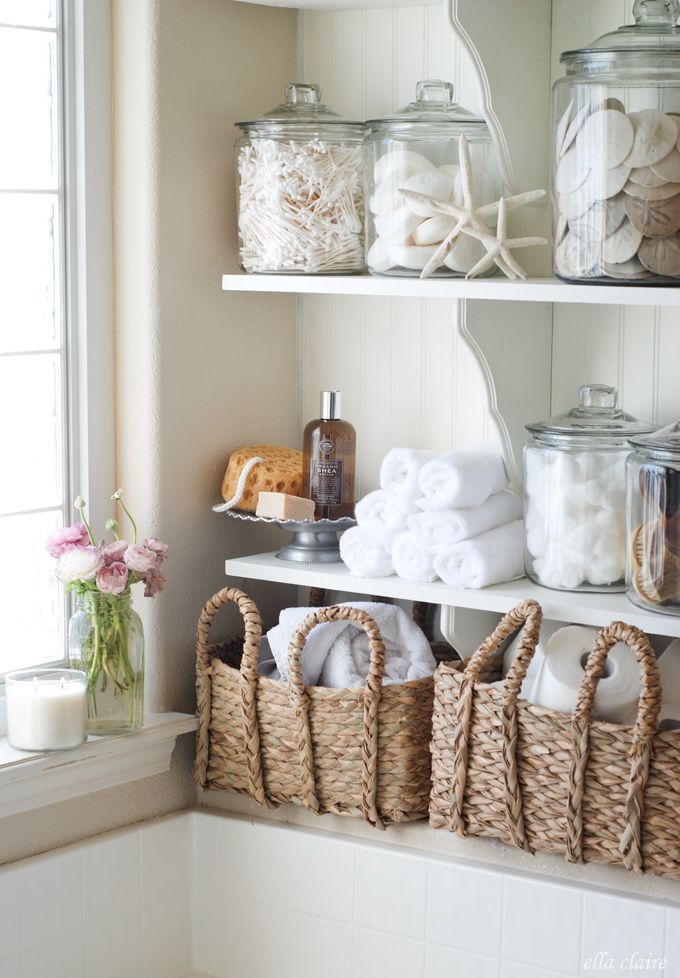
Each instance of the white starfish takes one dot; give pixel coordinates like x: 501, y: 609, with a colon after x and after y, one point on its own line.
x: 499, y: 247
x: 470, y: 218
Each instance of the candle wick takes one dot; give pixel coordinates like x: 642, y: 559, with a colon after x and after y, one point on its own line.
x: 35, y: 684
x: 63, y: 681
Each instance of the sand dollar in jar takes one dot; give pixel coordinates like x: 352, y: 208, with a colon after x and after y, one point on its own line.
x: 300, y: 188
x: 418, y: 149
x: 616, y: 153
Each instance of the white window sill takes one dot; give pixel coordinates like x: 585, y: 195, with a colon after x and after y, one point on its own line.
x: 31, y: 780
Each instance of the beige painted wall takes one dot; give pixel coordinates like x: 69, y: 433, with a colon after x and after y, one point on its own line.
x: 198, y: 372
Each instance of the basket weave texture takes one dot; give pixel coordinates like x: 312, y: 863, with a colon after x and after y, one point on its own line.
x: 362, y: 752
x: 540, y: 780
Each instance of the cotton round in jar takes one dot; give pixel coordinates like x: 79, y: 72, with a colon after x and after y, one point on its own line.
x: 574, y: 494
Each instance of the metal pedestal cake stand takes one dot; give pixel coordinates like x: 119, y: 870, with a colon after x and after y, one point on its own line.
x: 313, y: 541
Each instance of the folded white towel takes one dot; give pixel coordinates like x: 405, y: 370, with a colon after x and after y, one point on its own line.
x: 378, y: 513
x: 491, y: 558
x: 460, y: 479
x: 337, y: 653
x: 399, y: 475
x: 439, y: 531
x: 364, y: 554
x: 411, y: 559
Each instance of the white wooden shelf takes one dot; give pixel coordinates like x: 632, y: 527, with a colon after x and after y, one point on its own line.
x: 580, y: 608
x: 500, y: 289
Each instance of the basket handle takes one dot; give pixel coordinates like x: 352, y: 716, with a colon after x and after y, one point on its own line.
x: 527, y: 615
x: 646, y: 723
x: 248, y: 684
x: 371, y: 696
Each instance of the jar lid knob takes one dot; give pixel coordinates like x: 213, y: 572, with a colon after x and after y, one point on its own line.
x: 302, y: 93
x: 657, y: 12
x: 597, y: 397
x: 434, y: 90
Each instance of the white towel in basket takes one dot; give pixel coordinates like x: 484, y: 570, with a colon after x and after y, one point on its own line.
x: 337, y: 653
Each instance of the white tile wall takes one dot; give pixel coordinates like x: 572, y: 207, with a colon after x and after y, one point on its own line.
x: 112, y: 907
x: 207, y: 896
x: 398, y: 915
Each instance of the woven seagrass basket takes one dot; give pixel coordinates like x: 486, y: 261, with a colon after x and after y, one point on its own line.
x: 362, y: 752
x: 540, y: 780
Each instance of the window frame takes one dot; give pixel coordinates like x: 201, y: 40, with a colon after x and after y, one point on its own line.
x: 85, y: 167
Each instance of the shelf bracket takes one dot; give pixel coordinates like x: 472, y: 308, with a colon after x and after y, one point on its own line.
x: 498, y: 38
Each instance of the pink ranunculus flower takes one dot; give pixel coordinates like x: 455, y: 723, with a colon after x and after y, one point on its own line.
x: 112, y: 578
x: 78, y: 564
x: 154, y: 582
x: 114, y: 552
x: 160, y: 549
x: 67, y: 538
x: 139, y: 558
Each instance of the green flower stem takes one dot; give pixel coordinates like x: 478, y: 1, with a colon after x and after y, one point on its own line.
x: 105, y: 655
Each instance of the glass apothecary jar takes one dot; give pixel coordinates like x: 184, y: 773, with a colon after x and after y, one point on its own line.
x: 653, y: 517
x: 616, y: 153
x: 417, y: 148
x: 574, y: 494
x: 300, y: 188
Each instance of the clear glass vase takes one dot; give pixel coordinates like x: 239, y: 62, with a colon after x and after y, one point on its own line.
x: 106, y: 641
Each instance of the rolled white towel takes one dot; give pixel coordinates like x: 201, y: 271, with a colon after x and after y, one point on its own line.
x: 491, y: 558
x: 411, y: 559
x: 399, y: 475
x: 379, y: 514
x: 460, y: 479
x: 364, y: 554
x: 439, y: 531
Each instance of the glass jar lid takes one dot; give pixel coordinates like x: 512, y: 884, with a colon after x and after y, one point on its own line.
x: 596, y: 416
x: 653, y: 40
x: 302, y: 110
x: 662, y: 444
x: 434, y: 106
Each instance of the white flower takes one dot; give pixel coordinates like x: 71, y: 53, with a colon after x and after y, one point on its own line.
x: 79, y: 564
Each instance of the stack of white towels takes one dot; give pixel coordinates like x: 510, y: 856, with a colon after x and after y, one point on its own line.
x: 449, y: 516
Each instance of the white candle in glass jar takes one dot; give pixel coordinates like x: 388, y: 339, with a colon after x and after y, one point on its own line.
x: 46, y: 709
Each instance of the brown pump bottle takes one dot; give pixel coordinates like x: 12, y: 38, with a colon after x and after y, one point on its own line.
x: 329, y: 447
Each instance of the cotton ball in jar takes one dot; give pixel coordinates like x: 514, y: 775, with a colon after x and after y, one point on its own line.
x: 604, y: 571
x: 614, y: 496
x: 594, y: 465
x: 536, y: 541
x: 567, y: 470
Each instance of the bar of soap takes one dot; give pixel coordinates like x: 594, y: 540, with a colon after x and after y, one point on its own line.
x: 281, y: 506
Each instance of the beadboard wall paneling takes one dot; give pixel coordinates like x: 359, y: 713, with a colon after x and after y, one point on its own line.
x: 406, y: 374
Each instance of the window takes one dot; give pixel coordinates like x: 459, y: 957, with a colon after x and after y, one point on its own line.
x: 48, y: 238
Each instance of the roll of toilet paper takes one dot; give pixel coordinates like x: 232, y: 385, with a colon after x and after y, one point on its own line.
x: 669, y: 718
x: 669, y: 672
x: 566, y: 654
x: 548, y: 628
